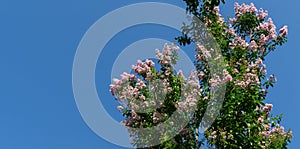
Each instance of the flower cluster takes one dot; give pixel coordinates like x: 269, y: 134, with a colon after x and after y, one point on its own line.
x: 272, y: 131
x: 150, y: 93
x: 168, y: 55
x: 217, y: 80
x: 191, y: 94
x: 251, y: 75
x: 250, y: 79
x: 239, y: 42
x: 117, y: 85
x: 270, y: 29
x: 240, y: 10
x: 203, y: 53
x: 144, y: 68
x: 262, y: 34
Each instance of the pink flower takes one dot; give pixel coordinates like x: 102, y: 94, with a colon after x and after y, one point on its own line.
x: 169, y: 89
x: 142, y: 97
x: 258, y: 61
x: 112, y: 89
x: 262, y: 14
x: 131, y: 139
x: 253, y: 46
x: 232, y: 20
x: 167, y: 72
x: 228, y: 78
x: 261, y: 120
x: 283, y: 31
x: 150, y: 63
x: 262, y: 51
x: 132, y: 77
x: 231, y: 30
x: 267, y: 108
x: 140, y: 84
x: 263, y: 40
x: 142, y: 67
x: 217, y: 8
x: 201, y: 74
x: 180, y: 74
x: 204, y: 52
x: 149, y: 76
x: 165, y: 57
x: 238, y: 42
x: 125, y: 76
x: 242, y: 9
x: 120, y: 108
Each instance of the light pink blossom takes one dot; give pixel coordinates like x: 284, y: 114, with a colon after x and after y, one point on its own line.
x: 283, y: 31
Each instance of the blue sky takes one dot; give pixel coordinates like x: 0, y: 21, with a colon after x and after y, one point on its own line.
x: 38, y: 43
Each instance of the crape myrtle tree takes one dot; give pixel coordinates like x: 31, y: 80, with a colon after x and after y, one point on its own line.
x: 244, y: 119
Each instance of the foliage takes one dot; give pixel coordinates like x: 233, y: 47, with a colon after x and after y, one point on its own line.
x: 244, y: 120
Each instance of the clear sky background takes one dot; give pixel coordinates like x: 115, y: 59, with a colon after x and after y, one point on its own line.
x: 38, y: 41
